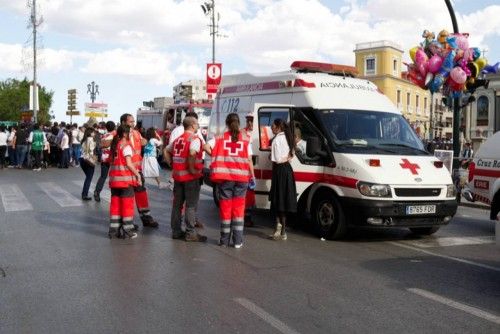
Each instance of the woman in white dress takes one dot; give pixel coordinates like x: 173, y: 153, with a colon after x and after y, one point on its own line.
x: 150, y: 166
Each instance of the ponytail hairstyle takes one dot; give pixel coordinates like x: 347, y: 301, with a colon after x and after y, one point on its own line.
x: 285, y: 127
x: 121, y: 131
x: 233, y: 124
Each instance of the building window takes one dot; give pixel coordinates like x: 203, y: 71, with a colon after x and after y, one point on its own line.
x: 399, y: 97
x: 370, y: 66
x: 482, y: 111
x: 408, y: 102
x: 425, y: 105
x: 417, y: 103
x: 395, y: 71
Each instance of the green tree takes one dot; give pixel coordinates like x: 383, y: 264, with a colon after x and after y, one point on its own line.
x: 14, y: 97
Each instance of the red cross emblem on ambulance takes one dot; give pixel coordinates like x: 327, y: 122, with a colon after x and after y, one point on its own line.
x: 179, y: 147
x: 408, y: 165
x: 233, y: 149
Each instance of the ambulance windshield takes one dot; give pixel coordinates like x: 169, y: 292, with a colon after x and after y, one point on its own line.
x: 203, y: 115
x: 375, y: 132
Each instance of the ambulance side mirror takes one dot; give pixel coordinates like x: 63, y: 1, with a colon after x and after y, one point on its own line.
x: 313, y: 148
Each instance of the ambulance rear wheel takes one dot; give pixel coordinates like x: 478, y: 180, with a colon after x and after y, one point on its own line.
x: 424, y: 230
x: 328, y: 217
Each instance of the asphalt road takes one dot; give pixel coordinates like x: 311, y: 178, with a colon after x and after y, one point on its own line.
x: 59, y: 273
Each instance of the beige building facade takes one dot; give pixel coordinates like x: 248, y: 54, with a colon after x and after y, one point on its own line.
x: 381, y: 62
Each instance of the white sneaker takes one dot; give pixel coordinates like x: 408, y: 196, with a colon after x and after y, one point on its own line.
x: 238, y: 246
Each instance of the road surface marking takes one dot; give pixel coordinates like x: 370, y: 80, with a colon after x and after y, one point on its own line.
x: 105, y: 193
x: 13, y: 199
x: 459, y: 306
x: 450, y: 241
x: 270, y: 319
x: 59, y: 195
x: 472, y: 263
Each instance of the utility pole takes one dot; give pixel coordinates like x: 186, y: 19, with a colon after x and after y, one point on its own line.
x: 35, y: 23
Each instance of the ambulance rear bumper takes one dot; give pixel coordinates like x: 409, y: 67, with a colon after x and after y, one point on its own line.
x: 376, y: 213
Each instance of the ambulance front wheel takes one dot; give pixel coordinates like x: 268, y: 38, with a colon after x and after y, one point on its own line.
x: 328, y: 217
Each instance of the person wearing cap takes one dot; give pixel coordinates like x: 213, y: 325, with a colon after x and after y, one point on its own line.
x: 250, y: 195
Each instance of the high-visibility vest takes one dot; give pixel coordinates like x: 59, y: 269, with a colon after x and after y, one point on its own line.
x: 180, y: 155
x: 136, y: 149
x: 120, y: 176
x: 230, y: 160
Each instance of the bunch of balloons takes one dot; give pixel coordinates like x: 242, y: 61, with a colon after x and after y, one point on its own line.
x: 448, y: 63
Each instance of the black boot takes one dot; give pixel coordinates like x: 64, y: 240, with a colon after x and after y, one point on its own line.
x: 148, y: 221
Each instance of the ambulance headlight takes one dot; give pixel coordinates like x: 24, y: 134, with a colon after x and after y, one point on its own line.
x: 451, y: 190
x: 374, y: 190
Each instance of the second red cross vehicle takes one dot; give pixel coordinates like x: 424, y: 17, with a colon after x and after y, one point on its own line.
x: 358, y: 161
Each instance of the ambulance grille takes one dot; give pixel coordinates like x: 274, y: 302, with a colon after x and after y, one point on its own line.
x: 417, y: 192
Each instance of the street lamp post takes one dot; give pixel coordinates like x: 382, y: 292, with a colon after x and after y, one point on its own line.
x: 93, y: 90
x: 456, y: 101
x: 209, y: 8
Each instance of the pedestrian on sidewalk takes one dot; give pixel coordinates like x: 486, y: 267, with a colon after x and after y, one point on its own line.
x: 185, y: 157
x: 231, y: 170
x: 141, y: 196
x: 283, y: 192
x: 76, y: 146
x: 88, y: 161
x: 150, y: 166
x: 123, y: 177
x: 65, y: 155
x: 106, y: 140
x: 21, y: 143
x: 3, y: 145
x: 38, y: 140
x: 11, y: 147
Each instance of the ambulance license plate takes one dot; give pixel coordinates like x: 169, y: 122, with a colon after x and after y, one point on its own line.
x: 420, y: 209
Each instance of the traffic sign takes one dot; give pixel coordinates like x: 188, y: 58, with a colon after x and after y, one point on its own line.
x: 72, y: 113
x: 96, y: 114
x: 214, y: 76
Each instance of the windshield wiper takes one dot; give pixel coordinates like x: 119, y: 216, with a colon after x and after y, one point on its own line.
x: 363, y: 146
x: 404, y: 145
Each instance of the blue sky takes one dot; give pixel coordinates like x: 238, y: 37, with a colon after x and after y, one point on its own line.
x: 137, y: 50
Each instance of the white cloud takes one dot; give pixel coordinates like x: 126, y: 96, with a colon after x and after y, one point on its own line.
x: 10, y: 57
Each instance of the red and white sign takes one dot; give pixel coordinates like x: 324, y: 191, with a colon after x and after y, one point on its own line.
x: 214, y: 76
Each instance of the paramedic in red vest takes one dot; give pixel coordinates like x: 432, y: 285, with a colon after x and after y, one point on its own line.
x: 250, y: 196
x: 141, y: 196
x: 231, y: 170
x: 184, y: 154
x: 123, y: 177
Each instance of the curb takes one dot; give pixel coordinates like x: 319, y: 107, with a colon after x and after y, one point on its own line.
x: 474, y: 205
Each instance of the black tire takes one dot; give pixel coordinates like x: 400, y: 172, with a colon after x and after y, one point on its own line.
x: 215, y: 194
x: 424, y: 230
x: 328, y: 216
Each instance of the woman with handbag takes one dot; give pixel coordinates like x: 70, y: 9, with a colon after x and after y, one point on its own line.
x: 88, y: 161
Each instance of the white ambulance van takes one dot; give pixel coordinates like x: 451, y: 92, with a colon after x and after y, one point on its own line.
x: 358, y: 161
x: 484, y: 173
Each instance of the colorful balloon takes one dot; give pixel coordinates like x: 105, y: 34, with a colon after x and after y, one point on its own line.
x: 435, y: 63
x: 491, y: 68
x: 457, y: 74
x: 413, y: 51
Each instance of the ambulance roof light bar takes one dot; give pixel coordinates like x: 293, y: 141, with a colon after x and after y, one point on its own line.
x: 312, y: 67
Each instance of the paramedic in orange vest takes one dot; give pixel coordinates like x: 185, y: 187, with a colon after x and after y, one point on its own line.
x: 123, y: 177
x: 184, y: 154
x: 231, y: 170
x: 250, y: 196
x: 141, y: 196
